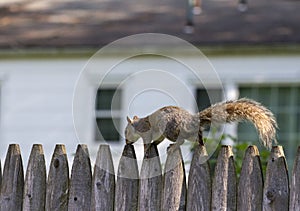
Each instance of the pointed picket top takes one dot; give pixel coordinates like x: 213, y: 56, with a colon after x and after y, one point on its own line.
x: 224, y: 181
x: 35, y: 180
x: 250, y: 186
x: 295, y: 184
x: 150, y: 180
x: 151, y: 166
x: 128, y: 159
x: 13, y: 180
x: 127, y: 185
x: 58, y: 180
x: 276, y: 189
x: 81, y: 180
x: 199, y: 185
x: 104, y: 159
x: 103, y: 183
x: 174, y: 191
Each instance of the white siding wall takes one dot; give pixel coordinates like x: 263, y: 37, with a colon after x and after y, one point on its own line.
x: 36, y: 104
x: 258, y: 69
x: 36, y: 95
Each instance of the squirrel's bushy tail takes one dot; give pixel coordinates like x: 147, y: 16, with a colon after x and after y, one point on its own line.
x: 241, y: 110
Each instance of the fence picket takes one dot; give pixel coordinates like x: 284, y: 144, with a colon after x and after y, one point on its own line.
x: 0, y: 178
x: 150, y: 190
x: 174, y: 189
x: 35, y: 180
x: 81, y: 181
x: 150, y: 180
x: 103, y: 183
x: 13, y: 180
x: 295, y: 184
x: 250, y: 187
x: 276, y: 190
x: 127, y: 185
x: 224, y: 182
x: 199, y: 182
x: 58, y: 181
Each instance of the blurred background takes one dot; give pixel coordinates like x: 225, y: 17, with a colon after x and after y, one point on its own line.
x: 254, y: 47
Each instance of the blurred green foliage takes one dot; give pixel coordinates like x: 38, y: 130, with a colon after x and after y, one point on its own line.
x: 239, y: 149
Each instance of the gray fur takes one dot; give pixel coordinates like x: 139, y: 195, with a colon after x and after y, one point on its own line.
x: 177, y: 124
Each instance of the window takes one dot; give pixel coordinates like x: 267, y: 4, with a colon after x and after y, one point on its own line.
x: 284, y: 102
x: 108, y: 114
x: 207, y: 97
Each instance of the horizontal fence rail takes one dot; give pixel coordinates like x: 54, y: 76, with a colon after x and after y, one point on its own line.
x: 153, y: 188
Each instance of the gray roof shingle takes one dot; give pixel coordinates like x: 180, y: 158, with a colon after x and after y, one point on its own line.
x: 94, y: 23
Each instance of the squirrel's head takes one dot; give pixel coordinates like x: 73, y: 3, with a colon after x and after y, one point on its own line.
x: 131, y: 134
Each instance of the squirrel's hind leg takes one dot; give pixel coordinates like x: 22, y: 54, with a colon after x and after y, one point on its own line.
x: 200, y: 138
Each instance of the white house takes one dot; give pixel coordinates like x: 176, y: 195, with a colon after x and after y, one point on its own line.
x: 52, y: 101
x: 53, y: 91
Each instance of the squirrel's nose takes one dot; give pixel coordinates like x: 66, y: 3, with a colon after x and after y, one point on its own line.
x: 128, y: 142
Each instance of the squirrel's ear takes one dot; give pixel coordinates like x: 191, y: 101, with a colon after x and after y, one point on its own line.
x: 135, y: 118
x: 129, y: 120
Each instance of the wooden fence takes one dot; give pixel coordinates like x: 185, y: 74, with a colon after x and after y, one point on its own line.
x: 150, y: 189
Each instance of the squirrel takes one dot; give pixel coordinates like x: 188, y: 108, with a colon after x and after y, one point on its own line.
x: 177, y: 124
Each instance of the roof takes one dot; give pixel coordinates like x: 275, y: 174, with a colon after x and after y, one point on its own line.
x: 94, y: 23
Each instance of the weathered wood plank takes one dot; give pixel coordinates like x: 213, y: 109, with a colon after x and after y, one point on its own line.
x: 103, y: 184
x: 224, y: 182
x: 150, y: 180
x: 126, y: 198
x: 174, y: 191
x: 0, y: 177
x: 199, y: 182
x: 81, y: 181
x: 35, y: 181
x: 250, y: 187
x: 276, y: 190
x: 98, y: 193
x: 13, y: 180
x: 58, y: 181
x: 295, y: 184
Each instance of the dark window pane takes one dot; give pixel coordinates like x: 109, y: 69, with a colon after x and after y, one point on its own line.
x: 108, y: 129
x: 283, y: 118
x: 264, y: 95
x: 243, y: 128
x: 247, y: 132
x: 105, y: 98
x: 282, y: 100
x: 298, y: 123
x: 298, y: 97
x: 245, y: 92
x: 284, y: 94
x: 207, y: 97
x: 202, y: 99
